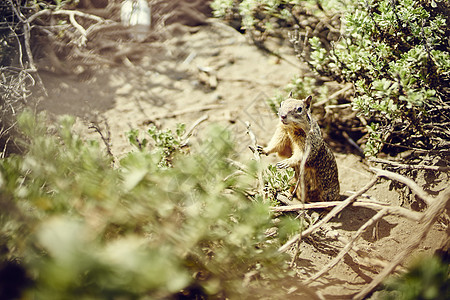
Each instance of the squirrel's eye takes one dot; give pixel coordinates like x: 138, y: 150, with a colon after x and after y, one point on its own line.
x: 299, y: 110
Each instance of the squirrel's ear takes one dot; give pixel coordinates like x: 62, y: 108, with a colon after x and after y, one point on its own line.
x: 290, y: 94
x: 308, y: 102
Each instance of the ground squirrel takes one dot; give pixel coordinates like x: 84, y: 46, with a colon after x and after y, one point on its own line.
x: 296, y: 135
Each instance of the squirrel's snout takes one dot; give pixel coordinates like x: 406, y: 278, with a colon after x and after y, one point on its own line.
x: 283, y: 119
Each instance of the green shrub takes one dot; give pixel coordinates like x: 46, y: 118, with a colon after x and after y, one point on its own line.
x: 426, y: 279
x: 82, y: 228
x: 395, y: 53
x: 398, y: 59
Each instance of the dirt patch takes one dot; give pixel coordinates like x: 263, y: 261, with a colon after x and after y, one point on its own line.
x: 213, y: 70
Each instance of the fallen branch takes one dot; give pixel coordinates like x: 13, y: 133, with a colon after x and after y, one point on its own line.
x: 430, y: 217
x: 406, y: 181
x: 395, y: 210
x: 80, y: 28
x: 177, y: 113
x: 409, y: 167
x: 348, y: 247
x: 63, y: 12
x: 330, y: 215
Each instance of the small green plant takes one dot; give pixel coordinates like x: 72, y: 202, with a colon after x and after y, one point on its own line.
x: 83, y: 228
x: 277, y: 181
x: 426, y: 279
x: 165, y: 143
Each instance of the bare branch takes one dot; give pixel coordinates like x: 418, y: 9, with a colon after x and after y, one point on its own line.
x: 430, y: 217
x: 412, y: 215
x: 347, y: 247
x: 186, y: 111
x: 257, y: 156
x: 79, y: 28
x: 406, y: 181
x: 410, y: 167
x: 188, y: 133
x: 330, y: 215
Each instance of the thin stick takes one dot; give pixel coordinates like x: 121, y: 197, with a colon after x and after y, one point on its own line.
x: 188, y: 133
x: 353, y: 143
x: 347, y: 247
x: 410, y: 167
x: 186, y: 111
x: 63, y: 12
x: 238, y: 165
x: 295, y: 189
x: 257, y: 156
x: 412, y: 215
x: 334, y: 95
x: 80, y: 28
x: 330, y: 215
x: 302, y: 169
x: 430, y: 217
x: 406, y: 181
x: 26, y: 32
x: 95, y: 124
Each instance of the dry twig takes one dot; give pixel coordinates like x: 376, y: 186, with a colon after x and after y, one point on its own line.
x: 395, y: 210
x: 430, y: 217
x: 330, y: 215
x: 256, y: 154
x: 410, y: 167
x: 188, y: 134
x: 406, y: 181
x: 348, y: 247
x: 106, y: 138
x: 177, y: 113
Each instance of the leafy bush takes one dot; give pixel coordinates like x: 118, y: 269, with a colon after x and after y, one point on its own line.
x: 398, y: 58
x: 265, y: 18
x: 83, y: 228
x: 395, y: 54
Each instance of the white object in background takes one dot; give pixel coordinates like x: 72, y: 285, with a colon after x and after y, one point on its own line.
x: 136, y: 13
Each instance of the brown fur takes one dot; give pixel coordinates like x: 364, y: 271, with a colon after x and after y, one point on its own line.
x: 296, y: 130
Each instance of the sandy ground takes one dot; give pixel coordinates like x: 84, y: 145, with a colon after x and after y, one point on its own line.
x: 213, y: 70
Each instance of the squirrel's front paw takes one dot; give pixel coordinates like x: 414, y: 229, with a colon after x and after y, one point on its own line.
x: 284, y: 164
x: 260, y: 150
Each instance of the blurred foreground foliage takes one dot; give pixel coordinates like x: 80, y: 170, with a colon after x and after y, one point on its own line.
x: 428, y: 278
x: 395, y: 55
x: 79, y: 227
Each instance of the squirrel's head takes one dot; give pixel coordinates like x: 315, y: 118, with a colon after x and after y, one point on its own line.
x: 296, y: 112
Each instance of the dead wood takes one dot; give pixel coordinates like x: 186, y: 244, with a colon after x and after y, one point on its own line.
x: 188, y: 134
x: 394, y: 210
x: 328, y: 217
x: 410, y: 167
x: 406, y: 181
x: 349, y: 245
x: 177, y: 113
x: 436, y: 207
x: 430, y: 217
x: 257, y: 155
